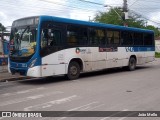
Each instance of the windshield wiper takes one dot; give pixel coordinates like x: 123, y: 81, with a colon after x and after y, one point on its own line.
x: 20, y: 38
x: 27, y: 28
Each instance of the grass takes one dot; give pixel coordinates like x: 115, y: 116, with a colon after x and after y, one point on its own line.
x: 157, y: 54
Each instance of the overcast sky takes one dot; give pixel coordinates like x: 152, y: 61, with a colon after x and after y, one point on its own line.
x: 11, y: 10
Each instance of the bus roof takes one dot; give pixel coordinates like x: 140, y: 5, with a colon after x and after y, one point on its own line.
x: 92, y: 24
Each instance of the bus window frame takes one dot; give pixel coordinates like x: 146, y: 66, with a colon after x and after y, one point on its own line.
x: 53, y: 26
x: 97, y: 45
x: 152, y: 39
x: 78, y: 26
x: 113, y: 45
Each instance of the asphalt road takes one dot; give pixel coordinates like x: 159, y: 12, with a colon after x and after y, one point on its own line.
x: 109, y: 90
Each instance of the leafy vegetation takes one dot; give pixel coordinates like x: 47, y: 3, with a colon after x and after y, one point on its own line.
x: 157, y: 54
x: 156, y: 31
x: 111, y: 17
x: 2, y: 28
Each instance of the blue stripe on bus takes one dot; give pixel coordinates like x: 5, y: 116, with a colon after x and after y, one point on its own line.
x: 139, y: 49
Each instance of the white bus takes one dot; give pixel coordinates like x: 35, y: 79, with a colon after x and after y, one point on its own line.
x: 47, y: 46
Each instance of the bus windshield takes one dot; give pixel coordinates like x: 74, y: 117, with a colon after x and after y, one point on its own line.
x: 23, y: 41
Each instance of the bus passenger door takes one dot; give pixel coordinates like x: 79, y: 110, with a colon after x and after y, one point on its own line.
x: 100, y: 57
x: 114, y: 55
x: 52, y: 44
x: 95, y: 58
x: 88, y: 59
x: 98, y: 42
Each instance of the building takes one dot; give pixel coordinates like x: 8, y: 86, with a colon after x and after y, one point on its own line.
x: 157, y: 44
x: 4, y: 40
x: 4, y: 47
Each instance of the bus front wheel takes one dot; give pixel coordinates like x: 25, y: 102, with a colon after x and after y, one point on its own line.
x: 73, y: 70
x: 132, y: 64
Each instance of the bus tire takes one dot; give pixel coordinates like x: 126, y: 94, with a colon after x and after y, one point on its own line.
x: 73, y: 70
x: 132, y: 64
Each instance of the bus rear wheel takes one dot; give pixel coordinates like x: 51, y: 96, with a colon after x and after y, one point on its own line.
x: 73, y: 71
x: 132, y: 64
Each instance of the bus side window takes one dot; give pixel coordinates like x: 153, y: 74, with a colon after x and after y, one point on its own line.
x: 72, y: 40
x: 55, y: 38
x: 116, y: 37
x: 92, y: 37
x: 44, y: 38
x: 97, y: 37
x: 77, y: 35
x: 138, y: 38
x: 127, y: 38
x: 101, y: 37
x: 110, y: 37
x: 113, y: 37
x: 71, y: 35
x: 49, y: 37
x: 82, y: 36
x: 148, y: 39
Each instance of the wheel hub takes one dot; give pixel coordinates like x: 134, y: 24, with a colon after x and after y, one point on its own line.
x: 73, y: 70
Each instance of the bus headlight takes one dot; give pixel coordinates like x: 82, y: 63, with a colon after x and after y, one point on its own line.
x: 32, y: 63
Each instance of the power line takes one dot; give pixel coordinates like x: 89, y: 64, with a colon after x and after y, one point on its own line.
x: 133, y: 3
x: 158, y: 23
x: 145, y: 8
x: 36, y: 8
x: 92, y: 2
x: 150, y: 1
x: 47, y: 8
x: 61, y: 4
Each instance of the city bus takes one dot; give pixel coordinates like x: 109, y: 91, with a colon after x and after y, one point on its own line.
x: 44, y: 46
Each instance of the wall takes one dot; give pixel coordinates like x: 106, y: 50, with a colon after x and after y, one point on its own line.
x: 157, y: 44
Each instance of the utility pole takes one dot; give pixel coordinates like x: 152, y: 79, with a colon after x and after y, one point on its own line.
x: 125, y: 6
x: 125, y: 10
x: 89, y: 18
x: 1, y: 40
x: 115, y: 11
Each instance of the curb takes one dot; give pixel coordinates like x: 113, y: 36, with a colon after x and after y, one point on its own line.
x: 1, y: 71
x: 14, y: 78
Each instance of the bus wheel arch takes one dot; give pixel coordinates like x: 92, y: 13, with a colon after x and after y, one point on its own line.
x: 74, y: 68
x: 132, y: 63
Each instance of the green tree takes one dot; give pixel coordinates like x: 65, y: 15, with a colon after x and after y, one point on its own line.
x: 2, y: 28
x: 116, y: 16
x: 111, y: 17
x: 156, y: 30
x: 136, y: 21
